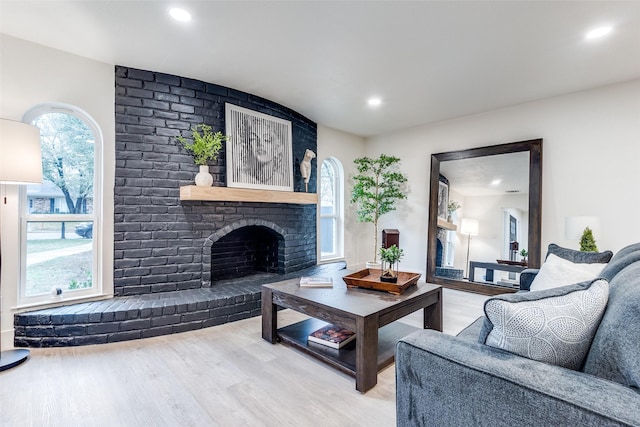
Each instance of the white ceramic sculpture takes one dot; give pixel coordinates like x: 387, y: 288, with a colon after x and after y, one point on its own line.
x: 305, y: 168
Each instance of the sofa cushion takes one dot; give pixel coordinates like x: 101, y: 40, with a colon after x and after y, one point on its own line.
x: 615, y: 351
x: 554, y: 326
x: 557, y: 271
x: 471, y: 332
x: 579, y: 257
x: 626, y: 256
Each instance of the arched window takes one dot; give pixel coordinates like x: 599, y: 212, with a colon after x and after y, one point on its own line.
x: 331, y: 210
x: 60, y: 218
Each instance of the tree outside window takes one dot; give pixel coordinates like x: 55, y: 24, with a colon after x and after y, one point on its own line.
x: 59, y: 217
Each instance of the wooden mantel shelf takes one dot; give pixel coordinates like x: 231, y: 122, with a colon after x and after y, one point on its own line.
x: 227, y: 194
x: 446, y: 224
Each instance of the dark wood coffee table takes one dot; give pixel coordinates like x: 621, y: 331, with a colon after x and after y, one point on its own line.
x: 371, y: 314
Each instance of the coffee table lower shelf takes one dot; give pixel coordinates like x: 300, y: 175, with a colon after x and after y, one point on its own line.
x: 343, y: 359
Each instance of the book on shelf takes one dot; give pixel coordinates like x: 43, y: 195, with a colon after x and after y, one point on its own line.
x: 316, y: 282
x: 332, y: 336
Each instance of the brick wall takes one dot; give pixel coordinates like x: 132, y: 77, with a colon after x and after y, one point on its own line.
x: 162, y: 243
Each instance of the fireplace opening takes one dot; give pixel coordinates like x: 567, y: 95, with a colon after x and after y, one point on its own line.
x: 443, y: 267
x: 246, y: 251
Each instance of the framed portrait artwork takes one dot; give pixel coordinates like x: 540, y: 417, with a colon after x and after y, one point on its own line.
x: 443, y: 200
x: 259, y: 150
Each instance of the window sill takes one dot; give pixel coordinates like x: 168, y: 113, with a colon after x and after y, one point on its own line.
x: 331, y: 259
x: 59, y: 302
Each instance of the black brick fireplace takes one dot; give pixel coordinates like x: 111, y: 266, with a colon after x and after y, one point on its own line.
x: 165, y: 244
x: 183, y: 265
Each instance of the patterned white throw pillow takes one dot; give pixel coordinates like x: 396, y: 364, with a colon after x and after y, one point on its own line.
x: 554, y: 326
x: 556, y: 272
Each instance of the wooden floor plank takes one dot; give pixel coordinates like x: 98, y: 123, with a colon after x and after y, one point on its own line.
x: 221, y: 376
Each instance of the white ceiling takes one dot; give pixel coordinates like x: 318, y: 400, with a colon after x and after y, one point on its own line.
x: 429, y: 61
x: 476, y: 176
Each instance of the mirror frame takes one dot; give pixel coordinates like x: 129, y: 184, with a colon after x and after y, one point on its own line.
x: 534, y: 147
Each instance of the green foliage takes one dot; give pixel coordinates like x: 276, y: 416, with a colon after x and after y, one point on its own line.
x: 205, y: 145
x: 453, y: 206
x: 524, y: 253
x: 587, y: 242
x: 390, y: 256
x: 378, y: 186
x: 67, y: 157
x: 75, y: 284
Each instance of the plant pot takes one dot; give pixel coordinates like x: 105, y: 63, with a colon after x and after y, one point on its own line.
x: 388, y: 279
x: 204, y: 178
x: 375, y: 265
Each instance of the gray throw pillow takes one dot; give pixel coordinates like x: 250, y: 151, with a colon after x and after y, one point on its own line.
x: 579, y: 257
x: 554, y: 326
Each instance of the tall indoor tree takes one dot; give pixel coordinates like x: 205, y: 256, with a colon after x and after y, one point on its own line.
x: 377, y: 189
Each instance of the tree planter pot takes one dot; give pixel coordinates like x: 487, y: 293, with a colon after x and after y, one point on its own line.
x: 204, y: 178
x: 388, y: 279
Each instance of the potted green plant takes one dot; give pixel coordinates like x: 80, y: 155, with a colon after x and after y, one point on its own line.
x: 378, y: 186
x: 390, y: 258
x: 451, y: 208
x: 205, y: 146
x: 524, y: 254
x: 587, y: 241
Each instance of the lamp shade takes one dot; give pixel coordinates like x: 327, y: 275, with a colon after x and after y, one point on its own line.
x: 20, y: 157
x: 574, y: 226
x: 469, y: 226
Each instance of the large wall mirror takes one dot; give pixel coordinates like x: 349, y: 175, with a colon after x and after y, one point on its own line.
x: 485, y: 216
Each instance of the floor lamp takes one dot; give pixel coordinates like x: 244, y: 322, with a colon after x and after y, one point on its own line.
x: 470, y: 228
x: 20, y: 163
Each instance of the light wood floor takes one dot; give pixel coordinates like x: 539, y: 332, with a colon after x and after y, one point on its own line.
x: 221, y: 376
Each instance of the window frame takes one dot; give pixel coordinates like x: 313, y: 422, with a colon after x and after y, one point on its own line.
x: 338, y: 212
x: 95, y: 217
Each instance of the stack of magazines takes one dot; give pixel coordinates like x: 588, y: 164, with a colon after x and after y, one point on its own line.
x: 332, y: 336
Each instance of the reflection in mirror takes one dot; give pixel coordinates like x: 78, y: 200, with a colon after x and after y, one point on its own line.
x: 484, y: 224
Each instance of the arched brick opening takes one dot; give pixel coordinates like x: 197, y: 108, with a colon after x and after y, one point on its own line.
x: 245, y: 247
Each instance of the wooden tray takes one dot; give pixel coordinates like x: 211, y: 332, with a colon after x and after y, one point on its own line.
x: 370, y: 278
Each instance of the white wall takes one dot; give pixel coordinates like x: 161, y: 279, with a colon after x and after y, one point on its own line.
x: 31, y: 74
x: 345, y: 148
x: 488, y: 245
x: 591, y: 163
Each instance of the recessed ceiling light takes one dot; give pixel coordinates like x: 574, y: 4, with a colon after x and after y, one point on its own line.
x: 598, y: 32
x: 496, y: 181
x: 374, y: 102
x: 180, y: 14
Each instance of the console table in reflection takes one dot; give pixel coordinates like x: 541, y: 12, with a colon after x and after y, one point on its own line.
x: 490, y: 267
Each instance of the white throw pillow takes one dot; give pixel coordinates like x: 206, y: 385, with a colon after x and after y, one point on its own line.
x: 556, y: 272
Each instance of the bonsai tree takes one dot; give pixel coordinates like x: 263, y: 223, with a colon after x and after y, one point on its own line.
x: 587, y: 242
x: 205, y: 145
x: 376, y: 190
x: 390, y: 257
x: 524, y: 254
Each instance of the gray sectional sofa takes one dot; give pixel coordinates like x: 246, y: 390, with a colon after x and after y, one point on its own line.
x: 443, y: 380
